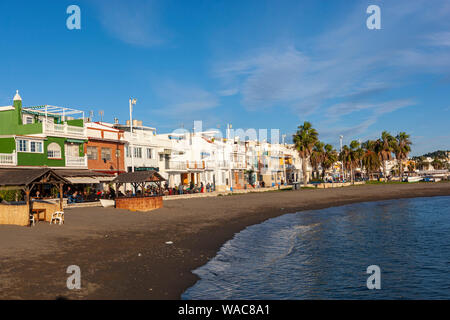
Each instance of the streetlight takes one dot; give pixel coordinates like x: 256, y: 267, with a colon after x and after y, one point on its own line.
x: 284, y: 159
x: 342, y: 164
x: 132, y: 102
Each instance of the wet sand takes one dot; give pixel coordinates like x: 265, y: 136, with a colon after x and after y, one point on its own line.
x: 124, y: 255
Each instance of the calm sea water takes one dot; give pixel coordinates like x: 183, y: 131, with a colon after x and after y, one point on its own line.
x: 324, y: 254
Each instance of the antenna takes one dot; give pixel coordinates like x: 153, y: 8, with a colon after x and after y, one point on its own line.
x: 101, y: 113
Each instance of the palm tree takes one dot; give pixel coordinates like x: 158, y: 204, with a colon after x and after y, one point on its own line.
x: 422, y: 163
x: 371, y: 159
x: 345, y: 158
x: 329, y: 158
x: 386, y: 149
x: 402, y: 147
x: 355, y: 156
x: 304, y: 140
x: 317, y: 157
x: 437, y: 164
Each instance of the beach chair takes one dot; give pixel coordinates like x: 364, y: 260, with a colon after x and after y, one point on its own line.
x: 32, y: 220
x: 57, y: 217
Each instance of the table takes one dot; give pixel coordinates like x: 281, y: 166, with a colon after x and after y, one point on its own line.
x: 37, y: 212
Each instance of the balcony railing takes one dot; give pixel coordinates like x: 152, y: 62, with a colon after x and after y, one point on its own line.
x: 195, y: 165
x: 176, y: 165
x: 223, y: 164
x: 8, y: 159
x: 238, y: 165
x: 64, y: 129
x: 72, y: 161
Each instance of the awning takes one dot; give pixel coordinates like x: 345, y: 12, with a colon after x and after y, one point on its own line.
x: 75, y: 141
x: 82, y: 180
x: 84, y: 176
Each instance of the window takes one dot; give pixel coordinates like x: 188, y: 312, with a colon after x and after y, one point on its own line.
x: 92, y: 153
x: 54, y: 151
x: 36, y: 146
x: 149, y: 153
x: 106, y: 153
x: 127, y: 152
x: 138, y: 152
x: 118, y: 153
x: 29, y: 146
x: 23, y: 145
x: 28, y: 120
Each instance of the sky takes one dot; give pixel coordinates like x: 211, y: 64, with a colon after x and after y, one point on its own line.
x: 250, y: 63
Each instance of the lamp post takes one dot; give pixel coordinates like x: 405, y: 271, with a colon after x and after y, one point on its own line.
x: 284, y: 160
x: 132, y: 102
x: 342, y: 164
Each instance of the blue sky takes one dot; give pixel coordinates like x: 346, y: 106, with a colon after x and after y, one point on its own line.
x: 255, y: 64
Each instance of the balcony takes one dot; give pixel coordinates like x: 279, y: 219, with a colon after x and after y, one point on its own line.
x: 195, y: 165
x: 72, y: 161
x: 238, y: 165
x: 223, y: 164
x: 64, y: 130
x: 8, y: 159
x: 176, y: 165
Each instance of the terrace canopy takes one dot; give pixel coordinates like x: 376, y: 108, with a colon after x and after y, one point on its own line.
x: 27, y: 179
x: 139, y: 179
x: 84, y: 176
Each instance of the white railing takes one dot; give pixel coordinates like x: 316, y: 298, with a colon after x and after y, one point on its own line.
x: 223, y: 164
x: 176, y: 165
x: 64, y: 129
x: 195, y: 165
x: 210, y: 164
x: 238, y: 165
x: 8, y: 159
x: 72, y: 161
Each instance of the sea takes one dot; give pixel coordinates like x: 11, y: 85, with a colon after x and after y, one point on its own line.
x: 396, y: 249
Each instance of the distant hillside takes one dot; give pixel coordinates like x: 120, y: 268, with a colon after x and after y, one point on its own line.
x: 440, y: 154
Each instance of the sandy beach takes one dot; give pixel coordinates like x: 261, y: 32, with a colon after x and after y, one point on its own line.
x: 124, y: 255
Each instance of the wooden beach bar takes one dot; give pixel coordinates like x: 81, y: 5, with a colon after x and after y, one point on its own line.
x: 147, y: 191
x: 26, y: 180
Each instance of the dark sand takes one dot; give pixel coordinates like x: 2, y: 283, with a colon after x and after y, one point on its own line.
x: 123, y: 255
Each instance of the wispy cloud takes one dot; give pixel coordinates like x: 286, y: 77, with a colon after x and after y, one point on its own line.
x: 183, y: 101
x: 346, y: 69
x: 136, y: 22
x: 377, y: 109
x: 439, y: 39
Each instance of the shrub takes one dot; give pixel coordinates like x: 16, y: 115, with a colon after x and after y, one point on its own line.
x: 11, y: 195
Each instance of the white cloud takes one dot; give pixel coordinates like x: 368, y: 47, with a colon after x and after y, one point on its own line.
x: 134, y: 22
x: 181, y: 101
x: 439, y: 39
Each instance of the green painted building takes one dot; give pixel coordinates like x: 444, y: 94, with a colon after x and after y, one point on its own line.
x: 42, y: 136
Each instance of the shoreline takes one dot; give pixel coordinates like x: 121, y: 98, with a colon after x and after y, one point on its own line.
x: 124, y: 255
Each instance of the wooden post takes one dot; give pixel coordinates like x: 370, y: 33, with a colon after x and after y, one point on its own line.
x: 27, y: 196
x: 61, y: 197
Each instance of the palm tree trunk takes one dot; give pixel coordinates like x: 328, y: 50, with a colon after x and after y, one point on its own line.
x: 305, y: 173
x: 401, y: 170
x: 352, y: 175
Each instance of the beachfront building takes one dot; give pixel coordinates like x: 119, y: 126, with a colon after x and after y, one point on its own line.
x: 105, y: 148
x: 45, y: 136
x: 192, y: 158
x: 141, y: 146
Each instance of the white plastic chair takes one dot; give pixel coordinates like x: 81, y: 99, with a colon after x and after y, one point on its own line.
x: 32, y: 220
x: 57, y: 217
